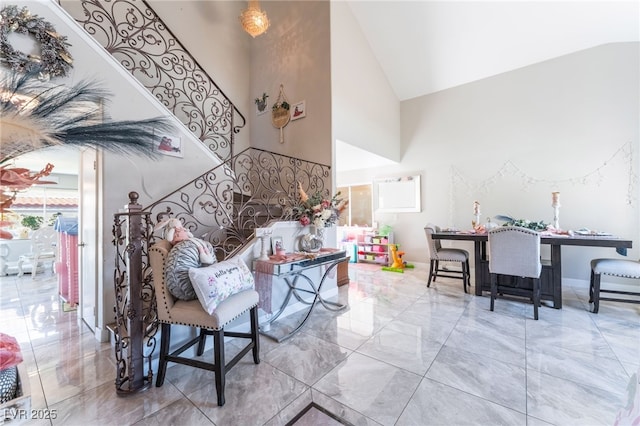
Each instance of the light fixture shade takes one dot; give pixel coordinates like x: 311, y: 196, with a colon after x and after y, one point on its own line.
x: 253, y: 20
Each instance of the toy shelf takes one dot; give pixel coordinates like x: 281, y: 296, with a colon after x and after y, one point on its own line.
x: 375, y: 249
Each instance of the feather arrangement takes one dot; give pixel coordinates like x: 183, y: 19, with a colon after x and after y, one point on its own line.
x: 37, y: 115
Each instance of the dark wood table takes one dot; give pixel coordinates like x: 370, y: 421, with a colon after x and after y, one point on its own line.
x: 551, y: 277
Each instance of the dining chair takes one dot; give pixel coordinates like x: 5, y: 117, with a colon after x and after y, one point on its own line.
x: 44, y: 249
x: 614, y: 268
x: 438, y: 254
x: 190, y: 313
x: 515, y: 252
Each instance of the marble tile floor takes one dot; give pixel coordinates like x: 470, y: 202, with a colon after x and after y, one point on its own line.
x: 400, y: 354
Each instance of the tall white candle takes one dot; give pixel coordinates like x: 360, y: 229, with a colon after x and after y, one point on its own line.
x: 476, y: 208
x: 555, y: 199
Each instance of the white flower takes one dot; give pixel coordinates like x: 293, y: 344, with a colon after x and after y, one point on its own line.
x: 326, y: 214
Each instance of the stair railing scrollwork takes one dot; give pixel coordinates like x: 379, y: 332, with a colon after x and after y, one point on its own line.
x: 226, y: 204
x: 134, y: 34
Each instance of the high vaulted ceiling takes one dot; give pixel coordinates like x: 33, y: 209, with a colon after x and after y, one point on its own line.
x: 426, y: 46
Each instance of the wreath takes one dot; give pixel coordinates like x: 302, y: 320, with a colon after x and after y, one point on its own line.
x: 54, y: 60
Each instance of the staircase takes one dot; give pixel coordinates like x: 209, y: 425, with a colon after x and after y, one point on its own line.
x: 245, y: 191
x: 134, y: 35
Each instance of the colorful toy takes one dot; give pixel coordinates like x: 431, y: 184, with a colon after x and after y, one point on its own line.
x: 398, y: 264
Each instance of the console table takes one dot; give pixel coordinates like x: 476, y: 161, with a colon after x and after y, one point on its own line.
x: 292, y: 268
x: 551, y: 276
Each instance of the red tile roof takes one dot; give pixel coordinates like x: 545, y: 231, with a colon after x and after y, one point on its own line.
x: 52, y: 202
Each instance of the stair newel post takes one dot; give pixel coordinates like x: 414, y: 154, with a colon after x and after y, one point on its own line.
x: 133, y: 301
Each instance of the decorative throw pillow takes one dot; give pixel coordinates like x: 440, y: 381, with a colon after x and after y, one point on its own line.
x: 182, y: 257
x: 215, y: 283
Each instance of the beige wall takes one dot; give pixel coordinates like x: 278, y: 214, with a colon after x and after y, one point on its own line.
x: 570, y: 124
x: 294, y: 52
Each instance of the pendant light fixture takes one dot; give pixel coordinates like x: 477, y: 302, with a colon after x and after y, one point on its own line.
x: 253, y: 20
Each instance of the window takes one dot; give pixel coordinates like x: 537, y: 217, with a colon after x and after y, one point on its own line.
x: 359, y: 212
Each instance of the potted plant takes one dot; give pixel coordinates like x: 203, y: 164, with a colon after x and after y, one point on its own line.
x: 32, y: 222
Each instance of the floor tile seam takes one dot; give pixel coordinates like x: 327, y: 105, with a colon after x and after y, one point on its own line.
x: 295, y: 378
x: 617, y: 357
x: 442, y: 346
x: 313, y: 399
x: 478, y: 396
x: 612, y: 357
x: 273, y: 418
x: 477, y: 353
x: 580, y: 384
x: 317, y: 380
x: 184, y: 396
x: 420, y: 376
x: 80, y: 389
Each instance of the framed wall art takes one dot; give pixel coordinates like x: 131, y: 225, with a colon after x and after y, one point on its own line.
x: 169, y: 145
x: 299, y: 110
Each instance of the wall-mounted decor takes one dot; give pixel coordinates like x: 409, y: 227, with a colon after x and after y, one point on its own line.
x: 261, y: 104
x: 397, y: 194
x: 169, y: 145
x: 280, y: 112
x: 54, y: 61
x: 299, y: 110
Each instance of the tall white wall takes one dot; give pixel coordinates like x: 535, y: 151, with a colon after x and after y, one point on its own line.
x: 365, y: 111
x: 570, y: 124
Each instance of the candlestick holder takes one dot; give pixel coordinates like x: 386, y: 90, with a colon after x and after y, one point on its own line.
x: 556, y: 216
x: 476, y: 220
x: 263, y: 233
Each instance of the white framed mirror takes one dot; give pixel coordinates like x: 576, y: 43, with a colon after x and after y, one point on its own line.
x: 397, y: 194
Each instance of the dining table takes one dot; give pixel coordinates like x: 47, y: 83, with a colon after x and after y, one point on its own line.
x: 551, y: 275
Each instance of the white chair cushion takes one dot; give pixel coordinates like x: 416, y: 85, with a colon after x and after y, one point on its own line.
x: 616, y: 267
x: 191, y: 313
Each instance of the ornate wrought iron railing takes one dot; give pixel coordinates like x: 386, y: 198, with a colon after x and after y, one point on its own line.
x: 132, y: 33
x: 135, y: 306
x: 226, y: 204
x: 223, y: 206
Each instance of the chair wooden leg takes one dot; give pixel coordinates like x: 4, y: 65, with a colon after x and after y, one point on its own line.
x: 596, y: 293
x: 464, y: 276
x: 219, y: 368
x: 468, y: 273
x: 431, y: 266
x: 255, y: 336
x: 164, y: 350
x: 536, y: 297
x: 436, y: 269
x: 591, y: 287
x: 202, y: 342
x: 494, y: 289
